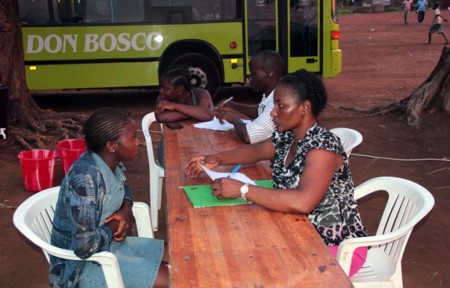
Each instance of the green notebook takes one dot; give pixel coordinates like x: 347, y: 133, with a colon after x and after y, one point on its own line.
x: 201, y: 195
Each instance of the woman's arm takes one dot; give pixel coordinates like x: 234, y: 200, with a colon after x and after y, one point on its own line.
x: 314, y: 183
x: 88, y: 234
x: 121, y: 221
x: 245, y: 154
x: 169, y: 111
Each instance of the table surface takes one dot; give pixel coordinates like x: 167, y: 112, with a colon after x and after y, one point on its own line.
x: 241, y: 245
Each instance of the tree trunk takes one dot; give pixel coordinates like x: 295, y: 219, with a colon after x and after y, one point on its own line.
x: 431, y: 96
x: 12, y: 72
x: 28, y: 125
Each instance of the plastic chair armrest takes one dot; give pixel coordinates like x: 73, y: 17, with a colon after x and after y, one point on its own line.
x: 141, y: 212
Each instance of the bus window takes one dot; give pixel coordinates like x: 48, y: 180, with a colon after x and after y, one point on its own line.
x: 115, y: 11
x: 304, y: 21
x: 128, y: 11
x: 187, y: 11
x: 34, y: 12
x: 66, y: 12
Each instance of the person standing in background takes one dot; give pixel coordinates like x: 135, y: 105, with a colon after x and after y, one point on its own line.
x: 407, y: 8
x: 421, y: 8
x: 436, y: 26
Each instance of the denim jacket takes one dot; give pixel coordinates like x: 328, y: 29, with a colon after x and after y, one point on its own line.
x: 77, y: 224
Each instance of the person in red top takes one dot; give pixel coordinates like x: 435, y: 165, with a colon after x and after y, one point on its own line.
x: 407, y: 8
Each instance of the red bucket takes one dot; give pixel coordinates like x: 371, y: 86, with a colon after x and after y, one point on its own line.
x: 69, y: 151
x: 38, y: 168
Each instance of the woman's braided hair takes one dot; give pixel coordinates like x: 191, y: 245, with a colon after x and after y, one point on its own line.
x: 105, y: 124
x: 178, y: 75
x: 307, y: 86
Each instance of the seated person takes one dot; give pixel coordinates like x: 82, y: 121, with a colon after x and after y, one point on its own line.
x: 311, y: 173
x: 94, y: 211
x: 266, y: 69
x: 178, y: 101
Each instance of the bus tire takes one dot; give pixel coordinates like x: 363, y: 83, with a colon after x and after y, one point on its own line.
x: 203, y: 71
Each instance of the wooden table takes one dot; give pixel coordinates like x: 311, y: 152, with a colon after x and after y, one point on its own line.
x: 237, y: 246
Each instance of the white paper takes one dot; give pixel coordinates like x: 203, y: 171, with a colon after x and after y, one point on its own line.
x: 216, y: 125
x: 237, y: 176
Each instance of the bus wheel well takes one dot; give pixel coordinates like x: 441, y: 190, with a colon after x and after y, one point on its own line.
x: 204, y: 72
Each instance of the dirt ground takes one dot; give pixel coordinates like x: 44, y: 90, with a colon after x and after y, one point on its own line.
x: 383, y: 61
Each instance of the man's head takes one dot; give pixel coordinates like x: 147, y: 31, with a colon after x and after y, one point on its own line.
x: 266, y: 69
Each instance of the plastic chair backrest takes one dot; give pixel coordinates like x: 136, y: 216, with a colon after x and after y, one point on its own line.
x: 156, y: 172
x: 407, y: 204
x: 34, y: 219
x: 350, y: 138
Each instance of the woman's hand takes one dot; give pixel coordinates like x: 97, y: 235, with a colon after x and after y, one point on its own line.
x: 226, y: 188
x: 124, y: 218
x: 194, y: 169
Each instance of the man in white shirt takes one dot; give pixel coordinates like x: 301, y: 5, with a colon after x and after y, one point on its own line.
x: 266, y: 69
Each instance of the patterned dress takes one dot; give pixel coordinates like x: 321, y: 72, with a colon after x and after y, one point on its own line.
x: 336, y: 216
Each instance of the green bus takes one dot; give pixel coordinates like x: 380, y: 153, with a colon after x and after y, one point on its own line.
x: 85, y: 44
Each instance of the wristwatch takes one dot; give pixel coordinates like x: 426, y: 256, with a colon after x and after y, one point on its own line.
x: 244, y: 191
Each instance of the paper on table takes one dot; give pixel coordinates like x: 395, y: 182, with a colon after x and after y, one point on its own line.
x: 216, y: 125
x: 237, y: 176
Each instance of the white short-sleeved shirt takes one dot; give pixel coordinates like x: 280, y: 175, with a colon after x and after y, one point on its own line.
x: 262, y: 127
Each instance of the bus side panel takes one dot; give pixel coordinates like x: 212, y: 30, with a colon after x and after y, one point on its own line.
x: 97, y: 56
x: 234, y: 70
x: 99, y: 75
x: 332, y: 54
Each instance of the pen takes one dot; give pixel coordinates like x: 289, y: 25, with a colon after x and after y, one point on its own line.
x: 228, y: 100
x: 236, y: 169
x: 224, y: 102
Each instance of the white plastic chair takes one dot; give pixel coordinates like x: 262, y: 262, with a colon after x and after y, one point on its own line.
x: 34, y: 218
x: 350, y: 138
x: 156, y: 172
x: 407, y: 204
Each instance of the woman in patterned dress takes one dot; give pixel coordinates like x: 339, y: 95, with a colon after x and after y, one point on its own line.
x: 311, y: 173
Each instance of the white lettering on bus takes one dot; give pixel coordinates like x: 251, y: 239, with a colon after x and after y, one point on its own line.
x: 134, y: 42
x: 123, y: 38
x: 31, y: 40
x: 90, y: 39
x: 48, y: 43
x: 112, y: 41
x: 154, y: 36
x: 107, y: 42
x: 72, y: 40
x: 52, y: 43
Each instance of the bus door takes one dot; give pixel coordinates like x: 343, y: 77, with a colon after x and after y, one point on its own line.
x: 304, y: 35
x: 261, y: 26
x: 290, y: 27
